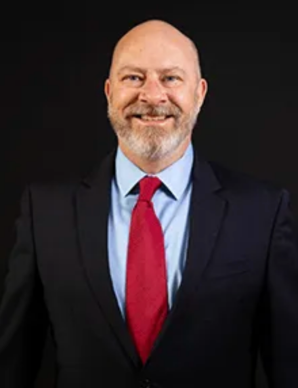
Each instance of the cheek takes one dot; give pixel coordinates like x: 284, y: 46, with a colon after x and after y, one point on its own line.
x: 184, y: 98
x: 184, y: 101
x: 122, y: 97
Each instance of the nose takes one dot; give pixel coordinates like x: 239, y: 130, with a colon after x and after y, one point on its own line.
x: 152, y: 92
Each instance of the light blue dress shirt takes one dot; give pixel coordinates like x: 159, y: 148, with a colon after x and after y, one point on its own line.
x: 171, y: 204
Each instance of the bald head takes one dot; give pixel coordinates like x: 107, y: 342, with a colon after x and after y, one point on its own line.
x: 155, y: 33
x: 155, y: 92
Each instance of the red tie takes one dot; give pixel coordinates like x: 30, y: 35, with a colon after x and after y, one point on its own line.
x: 146, y: 286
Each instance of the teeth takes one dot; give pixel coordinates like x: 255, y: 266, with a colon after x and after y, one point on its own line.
x: 153, y: 118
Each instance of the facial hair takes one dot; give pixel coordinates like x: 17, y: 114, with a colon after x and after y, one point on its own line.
x: 152, y: 142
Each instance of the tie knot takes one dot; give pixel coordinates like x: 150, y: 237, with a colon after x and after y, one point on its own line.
x: 148, y: 186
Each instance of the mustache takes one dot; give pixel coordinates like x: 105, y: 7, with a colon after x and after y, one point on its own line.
x: 153, y: 110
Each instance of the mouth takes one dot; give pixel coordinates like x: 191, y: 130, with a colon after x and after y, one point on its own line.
x: 152, y: 119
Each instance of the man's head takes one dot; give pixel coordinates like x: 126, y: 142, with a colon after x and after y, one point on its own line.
x: 155, y: 90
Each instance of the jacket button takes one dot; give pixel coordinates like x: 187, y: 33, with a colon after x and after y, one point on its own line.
x: 145, y: 383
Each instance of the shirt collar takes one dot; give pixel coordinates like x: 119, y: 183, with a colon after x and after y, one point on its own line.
x: 175, y: 177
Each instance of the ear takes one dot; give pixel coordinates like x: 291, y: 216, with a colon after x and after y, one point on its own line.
x: 107, y: 89
x: 201, y: 92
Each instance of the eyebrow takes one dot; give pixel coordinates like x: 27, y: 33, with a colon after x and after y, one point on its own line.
x: 140, y: 70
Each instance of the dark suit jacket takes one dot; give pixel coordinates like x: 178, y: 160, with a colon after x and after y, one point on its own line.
x: 239, y: 290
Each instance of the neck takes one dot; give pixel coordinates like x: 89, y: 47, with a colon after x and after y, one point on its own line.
x: 155, y: 166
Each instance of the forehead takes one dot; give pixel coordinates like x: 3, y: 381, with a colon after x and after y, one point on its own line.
x: 155, y: 52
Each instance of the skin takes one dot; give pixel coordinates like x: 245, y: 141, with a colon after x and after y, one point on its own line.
x: 155, y: 91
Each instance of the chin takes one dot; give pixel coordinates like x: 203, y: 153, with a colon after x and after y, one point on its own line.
x: 152, y: 151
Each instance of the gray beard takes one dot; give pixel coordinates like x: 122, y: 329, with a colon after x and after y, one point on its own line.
x: 153, y: 143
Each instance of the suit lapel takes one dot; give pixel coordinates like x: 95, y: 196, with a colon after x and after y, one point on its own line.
x: 93, y: 204
x: 206, y: 215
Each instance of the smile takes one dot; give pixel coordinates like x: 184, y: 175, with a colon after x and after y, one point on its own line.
x: 147, y: 118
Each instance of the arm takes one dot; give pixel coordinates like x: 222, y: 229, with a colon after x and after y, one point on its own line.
x: 23, y: 317
x: 279, y: 310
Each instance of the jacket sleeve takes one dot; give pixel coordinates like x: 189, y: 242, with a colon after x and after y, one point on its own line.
x: 23, y: 316
x: 279, y: 309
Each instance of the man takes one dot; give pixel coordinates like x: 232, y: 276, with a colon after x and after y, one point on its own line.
x: 159, y: 269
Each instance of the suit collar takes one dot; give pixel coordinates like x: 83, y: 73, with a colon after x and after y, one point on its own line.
x: 202, y: 173
x: 102, y: 170
x: 204, y: 178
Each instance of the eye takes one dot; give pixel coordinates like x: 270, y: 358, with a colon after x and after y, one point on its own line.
x: 171, y: 78
x: 132, y: 77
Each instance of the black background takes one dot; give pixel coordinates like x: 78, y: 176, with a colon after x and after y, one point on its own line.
x: 53, y: 110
